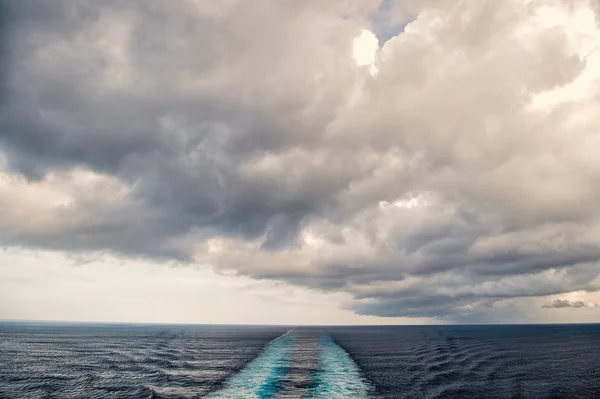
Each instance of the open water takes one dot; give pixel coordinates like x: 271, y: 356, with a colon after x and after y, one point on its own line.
x: 235, y: 362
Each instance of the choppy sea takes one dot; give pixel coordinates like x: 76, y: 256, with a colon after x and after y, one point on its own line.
x: 189, y: 361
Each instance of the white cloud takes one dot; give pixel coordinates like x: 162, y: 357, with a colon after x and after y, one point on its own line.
x: 364, y: 50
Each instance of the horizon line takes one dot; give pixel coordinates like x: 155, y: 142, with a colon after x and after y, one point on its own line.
x: 141, y: 323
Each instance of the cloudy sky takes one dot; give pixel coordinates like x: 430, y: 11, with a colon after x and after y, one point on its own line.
x: 305, y: 161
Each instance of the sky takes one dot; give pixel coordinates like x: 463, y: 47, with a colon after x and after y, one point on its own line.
x: 300, y: 162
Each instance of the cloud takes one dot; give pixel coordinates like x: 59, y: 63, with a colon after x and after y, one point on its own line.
x: 244, y: 136
x: 564, y: 303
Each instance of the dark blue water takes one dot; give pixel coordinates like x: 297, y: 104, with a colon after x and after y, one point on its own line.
x: 492, y: 362
x: 123, y: 361
x: 111, y: 361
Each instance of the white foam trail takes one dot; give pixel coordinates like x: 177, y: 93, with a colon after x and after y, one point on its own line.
x: 281, y: 336
x: 261, y: 378
x: 339, y: 377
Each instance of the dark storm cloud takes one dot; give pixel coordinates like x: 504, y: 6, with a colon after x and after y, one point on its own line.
x: 244, y: 136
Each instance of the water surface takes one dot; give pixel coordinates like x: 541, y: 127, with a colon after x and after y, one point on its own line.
x: 165, y: 361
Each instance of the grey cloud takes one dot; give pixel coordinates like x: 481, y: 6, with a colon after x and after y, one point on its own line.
x: 242, y: 135
x: 564, y: 303
x: 182, y: 151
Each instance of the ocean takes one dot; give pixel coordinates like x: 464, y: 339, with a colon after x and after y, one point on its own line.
x: 192, y: 361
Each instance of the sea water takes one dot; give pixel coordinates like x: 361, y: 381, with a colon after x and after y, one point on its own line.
x: 164, y: 361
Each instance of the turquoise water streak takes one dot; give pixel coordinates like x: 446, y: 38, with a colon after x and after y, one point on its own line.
x: 338, y: 375
x: 269, y: 376
x: 260, y: 379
